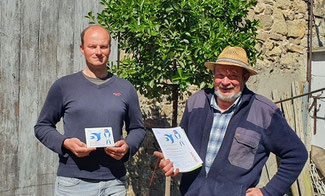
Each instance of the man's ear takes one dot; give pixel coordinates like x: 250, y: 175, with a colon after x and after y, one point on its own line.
x: 246, y: 76
x: 82, y: 49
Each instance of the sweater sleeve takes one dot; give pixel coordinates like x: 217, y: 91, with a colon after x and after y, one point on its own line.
x: 283, y: 142
x: 134, y: 123
x: 51, y: 113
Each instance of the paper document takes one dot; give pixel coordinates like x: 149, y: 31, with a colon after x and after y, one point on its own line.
x: 99, y: 137
x: 177, y: 148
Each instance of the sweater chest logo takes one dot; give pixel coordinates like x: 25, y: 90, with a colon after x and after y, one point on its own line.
x: 117, y: 94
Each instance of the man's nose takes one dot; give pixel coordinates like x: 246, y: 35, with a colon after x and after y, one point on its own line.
x: 98, y: 50
x: 225, y: 80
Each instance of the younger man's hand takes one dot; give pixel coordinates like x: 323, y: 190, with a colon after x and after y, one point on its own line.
x: 118, y: 151
x: 77, y: 147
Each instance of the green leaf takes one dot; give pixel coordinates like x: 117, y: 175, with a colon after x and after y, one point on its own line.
x: 180, y: 73
x: 202, y: 85
x: 151, y: 83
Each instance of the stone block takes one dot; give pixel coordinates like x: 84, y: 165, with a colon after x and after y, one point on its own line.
x: 268, y: 10
x: 268, y: 45
x: 295, y: 48
x: 283, y: 4
x: 266, y: 21
x: 262, y: 35
x: 297, y: 29
x: 288, y: 59
x: 251, y: 15
x: 276, y: 51
x: 295, y: 41
x: 300, y: 6
x: 319, y: 7
x: 269, y: 2
x: 259, y: 8
x: 279, y: 25
x: 277, y: 37
x: 303, y: 16
x: 289, y: 14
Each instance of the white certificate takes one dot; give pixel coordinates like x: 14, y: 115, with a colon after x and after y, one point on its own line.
x: 177, y: 148
x: 99, y: 137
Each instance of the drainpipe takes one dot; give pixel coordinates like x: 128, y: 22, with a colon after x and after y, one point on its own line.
x: 310, y: 45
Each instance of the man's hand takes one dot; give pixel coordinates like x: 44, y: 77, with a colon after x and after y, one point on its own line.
x: 254, y: 192
x: 166, y: 165
x: 118, y: 151
x: 77, y: 147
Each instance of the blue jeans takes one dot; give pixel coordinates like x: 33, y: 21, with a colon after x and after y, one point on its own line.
x: 66, y: 186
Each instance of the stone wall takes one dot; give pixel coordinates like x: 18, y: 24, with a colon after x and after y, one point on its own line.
x: 283, y: 32
x: 284, y: 36
x: 319, y: 24
x: 141, y: 167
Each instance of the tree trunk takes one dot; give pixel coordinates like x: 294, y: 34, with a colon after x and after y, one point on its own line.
x: 175, y: 104
x: 174, y: 124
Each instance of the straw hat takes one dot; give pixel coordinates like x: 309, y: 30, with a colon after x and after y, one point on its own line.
x: 235, y: 56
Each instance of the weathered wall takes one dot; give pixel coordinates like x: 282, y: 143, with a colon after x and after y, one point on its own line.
x: 39, y: 42
x: 319, y: 24
x: 283, y: 33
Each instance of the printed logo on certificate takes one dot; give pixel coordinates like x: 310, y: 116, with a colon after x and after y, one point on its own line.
x: 99, y: 137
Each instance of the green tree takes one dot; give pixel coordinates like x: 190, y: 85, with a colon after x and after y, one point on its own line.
x: 167, y: 41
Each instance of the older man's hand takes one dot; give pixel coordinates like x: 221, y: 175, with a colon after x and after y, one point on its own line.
x: 254, y: 192
x: 166, y: 165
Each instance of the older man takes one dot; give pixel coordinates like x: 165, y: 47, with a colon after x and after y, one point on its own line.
x: 234, y: 130
x: 89, y: 99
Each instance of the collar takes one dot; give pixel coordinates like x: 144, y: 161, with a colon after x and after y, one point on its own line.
x: 214, y: 105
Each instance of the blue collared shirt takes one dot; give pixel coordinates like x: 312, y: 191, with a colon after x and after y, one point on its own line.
x: 218, y: 130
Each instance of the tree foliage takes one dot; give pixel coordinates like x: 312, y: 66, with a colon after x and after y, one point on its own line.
x: 167, y: 42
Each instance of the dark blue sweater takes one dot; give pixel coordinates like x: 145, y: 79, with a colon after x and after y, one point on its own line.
x: 256, y: 129
x: 83, y: 104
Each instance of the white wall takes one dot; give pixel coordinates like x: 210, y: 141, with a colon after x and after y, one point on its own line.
x: 318, y: 82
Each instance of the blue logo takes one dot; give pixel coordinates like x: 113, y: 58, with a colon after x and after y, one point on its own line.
x: 169, y: 137
x: 95, y: 136
x: 107, y: 135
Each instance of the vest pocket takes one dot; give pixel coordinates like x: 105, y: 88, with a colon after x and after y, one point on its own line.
x: 244, y: 147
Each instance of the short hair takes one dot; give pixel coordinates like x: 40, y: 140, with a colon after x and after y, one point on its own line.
x: 82, y: 34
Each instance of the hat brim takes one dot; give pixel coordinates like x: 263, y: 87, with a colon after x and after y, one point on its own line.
x: 211, y: 66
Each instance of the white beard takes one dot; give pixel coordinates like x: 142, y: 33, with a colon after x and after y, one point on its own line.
x: 231, y: 97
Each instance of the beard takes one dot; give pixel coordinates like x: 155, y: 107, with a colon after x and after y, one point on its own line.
x: 232, y: 97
